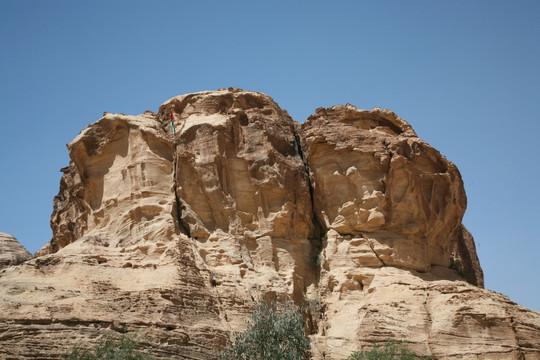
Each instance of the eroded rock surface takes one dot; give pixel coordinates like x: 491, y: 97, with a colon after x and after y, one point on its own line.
x: 117, y: 185
x: 11, y: 251
x: 376, y: 181
x: 243, y: 192
x: 172, y: 236
x: 436, y: 312
x: 118, y: 260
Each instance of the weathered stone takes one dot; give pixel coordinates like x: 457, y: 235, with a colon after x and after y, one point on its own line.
x: 436, y: 313
x: 118, y: 184
x: 117, y: 261
x: 11, y: 251
x: 374, y: 179
x: 243, y: 192
x: 464, y: 258
x: 172, y: 236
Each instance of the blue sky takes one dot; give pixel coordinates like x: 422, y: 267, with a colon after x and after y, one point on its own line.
x: 465, y: 74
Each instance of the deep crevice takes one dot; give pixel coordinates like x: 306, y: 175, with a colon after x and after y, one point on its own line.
x: 390, y: 154
x: 317, y: 244
x: 184, y: 228
x: 179, y: 208
x: 318, y: 228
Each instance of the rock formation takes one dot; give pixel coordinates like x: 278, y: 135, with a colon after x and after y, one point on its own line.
x: 11, y: 252
x: 171, y: 236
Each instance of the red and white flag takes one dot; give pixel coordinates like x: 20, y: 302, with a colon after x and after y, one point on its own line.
x: 172, y: 124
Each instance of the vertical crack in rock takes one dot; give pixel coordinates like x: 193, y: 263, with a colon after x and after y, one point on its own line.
x: 316, y: 248
x: 179, y: 207
x: 390, y: 155
x: 429, y: 324
x: 317, y: 224
x: 184, y: 229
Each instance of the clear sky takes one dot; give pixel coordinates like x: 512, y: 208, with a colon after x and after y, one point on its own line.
x: 465, y: 74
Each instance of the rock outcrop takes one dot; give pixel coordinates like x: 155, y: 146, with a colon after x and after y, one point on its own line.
x: 11, y: 251
x: 172, y: 235
x: 374, y: 180
x: 243, y: 193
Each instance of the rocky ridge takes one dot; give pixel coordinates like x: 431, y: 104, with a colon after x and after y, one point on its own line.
x: 11, y: 251
x: 173, y: 236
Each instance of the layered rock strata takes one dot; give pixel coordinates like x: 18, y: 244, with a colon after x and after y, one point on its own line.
x: 11, y: 251
x: 172, y: 235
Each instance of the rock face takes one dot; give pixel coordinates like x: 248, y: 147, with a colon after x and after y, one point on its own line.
x: 172, y: 235
x: 11, y: 251
x: 375, y: 181
x: 243, y: 193
x: 117, y: 186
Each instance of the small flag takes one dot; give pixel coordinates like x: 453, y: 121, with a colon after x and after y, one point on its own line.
x: 172, y: 124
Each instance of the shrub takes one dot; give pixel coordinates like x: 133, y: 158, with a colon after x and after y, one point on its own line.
x: 125, y: 348
x: 275, y: 332
x: 392, y: 350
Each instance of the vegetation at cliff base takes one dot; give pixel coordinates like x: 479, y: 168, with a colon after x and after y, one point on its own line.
x: 125, y: 348
x: 275, y: 332
x: 392, y: 350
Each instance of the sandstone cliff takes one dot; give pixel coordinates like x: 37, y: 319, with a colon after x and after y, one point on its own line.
x: 173, y: 236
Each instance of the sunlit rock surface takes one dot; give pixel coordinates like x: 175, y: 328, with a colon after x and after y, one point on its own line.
x: 11, y: 251
x: 172, y: 235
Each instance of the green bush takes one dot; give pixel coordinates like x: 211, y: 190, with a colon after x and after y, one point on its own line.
x: 275, y: 332
x: 125, y: 348
x: 392, y: 350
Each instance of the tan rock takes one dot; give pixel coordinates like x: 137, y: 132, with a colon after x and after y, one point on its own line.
x: 374, y: 179
x: 90, y: 288
x: 11, y: 251
x: 118, y: 184
x: 173, y: 237
x: 244, y: 194
x: 117, y: 261
x: 437, y: 313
